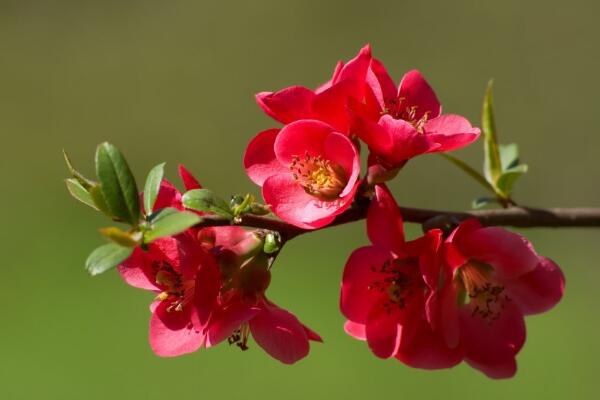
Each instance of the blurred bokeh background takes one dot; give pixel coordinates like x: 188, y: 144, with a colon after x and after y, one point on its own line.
x: 174, y: 81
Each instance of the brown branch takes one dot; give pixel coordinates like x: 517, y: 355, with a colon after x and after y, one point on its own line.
x: 521, y: 217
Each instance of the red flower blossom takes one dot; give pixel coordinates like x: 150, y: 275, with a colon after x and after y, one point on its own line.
x: 385, y: 288
x: 237, y: 304
x: 327, y: 103
x: 308, y: 171
x: 400, y: 123
x: 491, y: 279
x: 169, y: 268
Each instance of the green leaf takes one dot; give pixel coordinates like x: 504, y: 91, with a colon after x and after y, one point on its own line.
x: 85, y: 182
x: 492, y: 166
x: 509, y: 177
x: 106, y: 257
x: 509, y: 155
x: 98, y: 199
x: 79, y: 192
x: 120, y: 237
x: 470, y: 171
x: 152, y: 187
x: 170, y: 222
x: 117, y: 184
x: 206, y: 201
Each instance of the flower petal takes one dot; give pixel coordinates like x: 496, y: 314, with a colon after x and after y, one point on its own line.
x: 259, y: 160
x: 137, y: 271
x: 189, y: 181
x: 173, y: 333
x: 206, y: 288
x: 451, y: 132
x: 381, y: 84
x: 539, y: 290
x: 228, y: 319
x: 287, y: 105
x: 385, y: 226
x: 428, y: 350
x: 509, y: 253
x: 416, y: 92
x: 499, y: 370
x: 357, y: 296
x: 492, y: 341
x: 300, y: 138
x: 383, y: 332
x: 340, y: 150
x: 280, y: 334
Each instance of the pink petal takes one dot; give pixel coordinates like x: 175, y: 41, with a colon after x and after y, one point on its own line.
x: 229, y: 236
x: 383, y: 332
x: 360, y: 273
x: 492, y: 341
x: 406, y: 141
x: 357, y: 331
x: 189, y: 181
x: 280, y: 334
x: 300, y: 138
x: 259, y: 160
x: 428, y: 350
x: 287, y: 105
x: 137, y: 271
x: 415, y: 91
x: 167, y: 249
x: 327, y: 85
x: 331, y: 105
x: 228, y: 319
x: 499, y: 370
x: 451, y: 132
x: 356, y: 69
x: 385, y: 226
x: 340, y: 150
x: 539, y: 290
x: 173, y: 335
x: 291, y: 203
x: 509, y: 253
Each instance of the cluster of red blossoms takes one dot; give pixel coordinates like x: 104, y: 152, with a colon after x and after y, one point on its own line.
x: 430, y: 303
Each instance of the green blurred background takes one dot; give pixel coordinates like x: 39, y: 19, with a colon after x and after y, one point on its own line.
x: 174, y: 81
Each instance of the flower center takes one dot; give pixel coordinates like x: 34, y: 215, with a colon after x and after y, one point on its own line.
x: 396, y: 281
x: 176, y: 291
x: 240, y: 337
x: 319, y: 177
x: 488, y: 297
x: 408, y: 114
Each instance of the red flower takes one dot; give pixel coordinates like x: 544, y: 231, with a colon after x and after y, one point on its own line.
x: 399, y: 124
x: 308, y: 171
x: 385, y: 288
x: 328, y: 103
x: 237, y: 304
x: 169, y: 268
x: 491, y: 279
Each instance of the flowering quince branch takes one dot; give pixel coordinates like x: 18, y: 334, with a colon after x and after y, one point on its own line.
x: 457, y: 293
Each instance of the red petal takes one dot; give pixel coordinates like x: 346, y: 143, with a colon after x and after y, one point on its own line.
x: 383, y: 332
x: 259, y: 160
x: 300, y: 138
x: 287, y: 105
x: 173, y: 334
x: 189, y: 181
x: 539, y: 290
x: 415, y: 91
x: 385, y: 226
x: 280, y: 334
x: 228, y: 319
x: 498, y: 370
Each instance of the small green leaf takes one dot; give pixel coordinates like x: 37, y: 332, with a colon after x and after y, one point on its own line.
x: 509, y: 156
x: 170, y: 222
x: 117, y: 184
x: 470, y: 171
x: 106, y: 257
x: 85, y: 182
x: 492, y: 166
x: 206, y: 201
x: 483, y: 201
x: 98, y: 199
x: 509, y: 177
x: 120, y: 237
x: 152, y: 187
x: 79, y: 192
